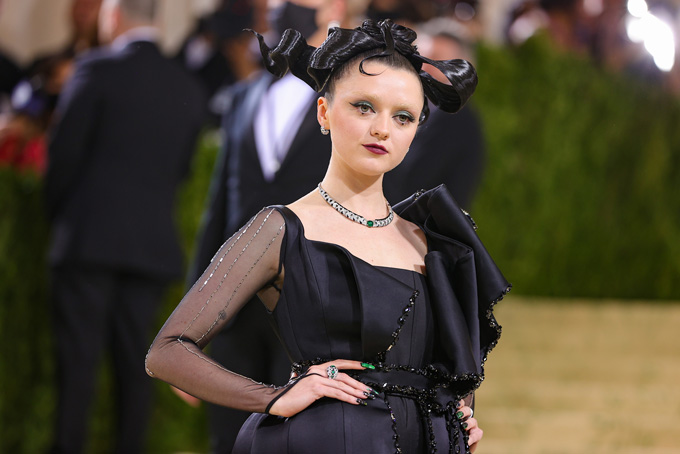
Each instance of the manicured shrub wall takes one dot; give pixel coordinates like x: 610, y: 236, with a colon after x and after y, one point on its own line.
x: 580, y: 196
x: 27, y: 394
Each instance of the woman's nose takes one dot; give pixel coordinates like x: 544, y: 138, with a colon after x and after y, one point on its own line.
x: 380, y: 129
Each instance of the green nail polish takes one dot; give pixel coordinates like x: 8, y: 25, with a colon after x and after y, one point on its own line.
x: 464, y: 425
x: 460, y: 415
x: 367, y: 366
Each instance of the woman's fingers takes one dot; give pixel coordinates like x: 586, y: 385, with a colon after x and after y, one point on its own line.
x: 360, y: 390
x: 474, y: 435
x: 315, y: 384
x: 465, y: 414
x: 470, y: 424
x: 345, y: 393
x: 348, y: 385
x: 343, y: 364
x: 364, y: 391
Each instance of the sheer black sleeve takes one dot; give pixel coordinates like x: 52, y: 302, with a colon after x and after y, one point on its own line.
x: 246, y: 263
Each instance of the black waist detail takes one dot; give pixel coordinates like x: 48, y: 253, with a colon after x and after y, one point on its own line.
x: 428, y: 387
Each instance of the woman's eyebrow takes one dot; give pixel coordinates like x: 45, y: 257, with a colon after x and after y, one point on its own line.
x: 378, y: 100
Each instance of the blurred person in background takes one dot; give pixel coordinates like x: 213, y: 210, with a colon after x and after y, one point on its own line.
x: 447, y: 149
x: 564, y: 22
x: 124, y: 133
x: 10, y: 74
x: 218, y: 51
x: 33, y: 92
x: 406, y: 12
x: 273, y: 152
x: 568, y: 24
x: 636, y: 38
x: 23, y: 128
x: 85, y: 18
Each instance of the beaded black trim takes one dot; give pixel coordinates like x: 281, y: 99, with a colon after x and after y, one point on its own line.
x: 451, y: 421
x: 401, y: 321
x: 424, y: 398
x: 395, y: 437
x: 427, y: 405
x: 494, y: 324
x: 472, y: 221
x: 436, y: 376
x: 425, y: 413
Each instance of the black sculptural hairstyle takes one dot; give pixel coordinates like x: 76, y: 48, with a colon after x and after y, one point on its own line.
x: 394, y: 60
x: 321, y: 67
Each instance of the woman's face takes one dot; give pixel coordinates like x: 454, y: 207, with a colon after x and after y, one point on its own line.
x: 372, y: 119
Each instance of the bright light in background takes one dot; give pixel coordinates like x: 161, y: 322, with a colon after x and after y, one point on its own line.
x: 657, y: 35
x: 637, y: 8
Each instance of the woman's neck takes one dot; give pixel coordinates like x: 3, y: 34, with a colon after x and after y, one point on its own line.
x: 361, y: 194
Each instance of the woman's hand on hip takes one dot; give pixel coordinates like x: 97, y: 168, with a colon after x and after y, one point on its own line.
x: 470, y: 425
x: 315, y: 384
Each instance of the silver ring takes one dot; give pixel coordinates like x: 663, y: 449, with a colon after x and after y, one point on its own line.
x: 332, y: 372
x: 472, y: 412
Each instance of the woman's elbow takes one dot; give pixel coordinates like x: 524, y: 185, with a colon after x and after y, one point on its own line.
x: 152, y: 361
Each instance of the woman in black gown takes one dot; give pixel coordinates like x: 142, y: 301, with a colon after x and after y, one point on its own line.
x: 387, y: 318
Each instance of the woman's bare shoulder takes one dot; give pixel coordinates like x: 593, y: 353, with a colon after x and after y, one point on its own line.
x: 411, y: 232
x: 306, y: 206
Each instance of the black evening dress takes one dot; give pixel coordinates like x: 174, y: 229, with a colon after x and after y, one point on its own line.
x: 427, y: 335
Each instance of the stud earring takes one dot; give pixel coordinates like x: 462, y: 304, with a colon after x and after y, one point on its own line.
x: 324, y: 131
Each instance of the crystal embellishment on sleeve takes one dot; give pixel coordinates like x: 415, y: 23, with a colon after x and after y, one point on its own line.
x: 221, y: 314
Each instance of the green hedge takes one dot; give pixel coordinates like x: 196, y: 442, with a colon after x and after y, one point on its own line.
x: 27, y: 394
x: 580, y: 196
x: 579, y: 199
x: 26, y: 359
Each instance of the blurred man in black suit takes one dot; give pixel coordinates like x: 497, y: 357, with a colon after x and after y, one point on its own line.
x: 126, y: 126
x: 273, y: 153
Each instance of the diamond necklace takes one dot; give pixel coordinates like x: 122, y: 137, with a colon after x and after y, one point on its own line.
x: 355, y: 217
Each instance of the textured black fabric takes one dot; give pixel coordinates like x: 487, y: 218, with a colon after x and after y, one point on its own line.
x: 349, y: 309
x: 334, y: 305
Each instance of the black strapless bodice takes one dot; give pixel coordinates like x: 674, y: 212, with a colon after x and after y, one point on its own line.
x: 335, y: 305
x: 427, y: 335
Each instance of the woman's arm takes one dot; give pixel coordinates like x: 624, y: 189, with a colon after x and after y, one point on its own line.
x: 243, y: 265
x: 246, y: 263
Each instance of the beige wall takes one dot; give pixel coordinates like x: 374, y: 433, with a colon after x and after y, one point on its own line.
x: 30, y: 28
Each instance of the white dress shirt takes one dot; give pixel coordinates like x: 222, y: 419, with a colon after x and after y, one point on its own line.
x: 278, y: 119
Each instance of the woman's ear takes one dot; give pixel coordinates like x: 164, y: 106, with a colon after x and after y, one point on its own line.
x: 322, y: 112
